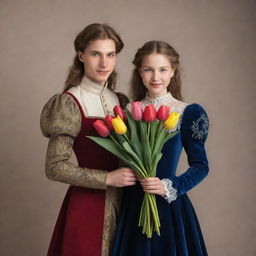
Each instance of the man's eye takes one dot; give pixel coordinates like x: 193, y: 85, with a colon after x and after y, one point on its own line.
x: 94, y: 54
x: 147, y: 70
x: 111, y: 55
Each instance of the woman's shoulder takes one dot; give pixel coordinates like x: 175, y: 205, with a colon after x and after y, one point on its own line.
x: 60, y: 110
x: 193, y: 110
x: 195, y: 121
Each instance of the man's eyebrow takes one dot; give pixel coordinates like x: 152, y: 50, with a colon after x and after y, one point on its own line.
x: 96, y: 51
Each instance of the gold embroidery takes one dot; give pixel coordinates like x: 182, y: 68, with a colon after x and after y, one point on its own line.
x: 112, y: 207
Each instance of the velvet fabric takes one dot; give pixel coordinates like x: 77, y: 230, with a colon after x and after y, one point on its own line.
x: 180, y: 231
x: 79, y: 227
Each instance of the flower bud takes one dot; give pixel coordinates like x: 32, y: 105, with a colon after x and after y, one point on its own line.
x: 119, y: 125
x: 149, y: 114
x: 137, y: 111
x: 163, y: 113
x: 101, y: 128
x: 108, y: 121
x: 119, y: 112
x: 171, y: 121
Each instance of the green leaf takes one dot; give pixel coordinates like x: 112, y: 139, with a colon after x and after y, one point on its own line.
x: 153, y: 128
x: 159, y: 141
x: 170, y: 135
x: 134, y: 133
x: 145, y: 144
x: 111, y: 146
x: 155, y: 161
x: 130, y: 150
x: 120, y: 138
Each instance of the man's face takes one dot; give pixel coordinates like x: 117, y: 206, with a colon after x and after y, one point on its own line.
x: 99, y: 59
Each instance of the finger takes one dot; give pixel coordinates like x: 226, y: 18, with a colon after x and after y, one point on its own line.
x: 152, y: 191
x: 131, y: 179
x: 152, y: 186
x: 150, y: 183
x: 128, y: 177
x: 130, y: 183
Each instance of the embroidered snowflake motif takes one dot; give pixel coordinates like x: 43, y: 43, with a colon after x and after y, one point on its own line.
x: 200, y: 127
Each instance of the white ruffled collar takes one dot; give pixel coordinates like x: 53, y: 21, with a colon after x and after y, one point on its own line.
x: 92, y: 87
x: 162, y: 100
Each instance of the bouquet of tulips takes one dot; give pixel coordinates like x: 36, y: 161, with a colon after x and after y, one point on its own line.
x: 140, y: 147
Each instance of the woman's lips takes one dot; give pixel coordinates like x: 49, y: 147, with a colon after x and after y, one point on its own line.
x: 155, y: 85
x: 102, y: 72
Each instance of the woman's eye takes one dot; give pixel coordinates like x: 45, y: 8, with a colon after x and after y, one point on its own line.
x: 163, y: 70
x: 94, y: 54
x: 147, y: 70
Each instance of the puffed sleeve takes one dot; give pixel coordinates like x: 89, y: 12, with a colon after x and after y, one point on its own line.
x: 194, y: 131
x: 61, y: 122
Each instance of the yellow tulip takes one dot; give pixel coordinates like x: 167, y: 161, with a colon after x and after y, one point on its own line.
x: 172, y: 120
x: 119, y: 125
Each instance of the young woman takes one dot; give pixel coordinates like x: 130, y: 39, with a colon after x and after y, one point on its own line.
x: 87, y: 218
x: 156, y: 80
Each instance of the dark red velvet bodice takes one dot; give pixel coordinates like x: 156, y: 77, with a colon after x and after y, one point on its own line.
x: 88, y: 153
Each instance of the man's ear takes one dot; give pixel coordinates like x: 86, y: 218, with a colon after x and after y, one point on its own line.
x: 80, y: 56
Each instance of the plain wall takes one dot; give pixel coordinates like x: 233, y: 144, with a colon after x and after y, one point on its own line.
x: 216, y: 41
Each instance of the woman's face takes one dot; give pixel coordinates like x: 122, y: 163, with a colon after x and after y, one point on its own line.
x: 156, y: 73
x: 99, y: 59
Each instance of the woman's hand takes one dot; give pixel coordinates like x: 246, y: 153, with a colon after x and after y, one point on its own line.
x: 153, y: 186
x: 121, y: 177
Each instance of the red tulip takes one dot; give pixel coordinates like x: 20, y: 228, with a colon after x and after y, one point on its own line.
x: 137, y: 111
x: 163, y: 113
x: 149, y: 114
x: 119, y: 112
x: 108, y: 121
x: 101, y: 128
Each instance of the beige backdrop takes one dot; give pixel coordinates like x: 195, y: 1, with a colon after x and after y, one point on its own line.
x: 216, y: 40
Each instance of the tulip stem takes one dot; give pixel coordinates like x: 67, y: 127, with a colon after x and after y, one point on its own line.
x: 117, y: 143
x: 126, y: 137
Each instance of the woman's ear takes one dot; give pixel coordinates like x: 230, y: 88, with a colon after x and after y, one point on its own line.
x: 80, y: 56
x: 172, y: 74
x: 140, y: 71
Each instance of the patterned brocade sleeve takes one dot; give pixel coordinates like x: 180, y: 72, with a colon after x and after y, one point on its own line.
x: 61, y: 122
x: 194, y: 132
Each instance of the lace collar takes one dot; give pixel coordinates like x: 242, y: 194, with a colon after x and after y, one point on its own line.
x: 162, y: 100
x: 92, y: 87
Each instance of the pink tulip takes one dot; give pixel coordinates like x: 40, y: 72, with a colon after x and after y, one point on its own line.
x: 119, y: 112
x: 163, y: 113
x: 101, y: 128
x: 149, y: 114
x: 108, y: 121
x: 137, y: 111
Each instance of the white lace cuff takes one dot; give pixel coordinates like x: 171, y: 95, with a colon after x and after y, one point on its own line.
x: 170, y: 191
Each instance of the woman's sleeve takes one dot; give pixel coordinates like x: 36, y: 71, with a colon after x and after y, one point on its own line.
x: 194, y: 131
x: 61, y: 122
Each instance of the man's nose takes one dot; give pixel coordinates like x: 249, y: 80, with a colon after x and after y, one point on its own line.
x: 103, y: 61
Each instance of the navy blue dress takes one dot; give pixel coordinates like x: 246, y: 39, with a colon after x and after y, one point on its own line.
x: 180, y: 231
